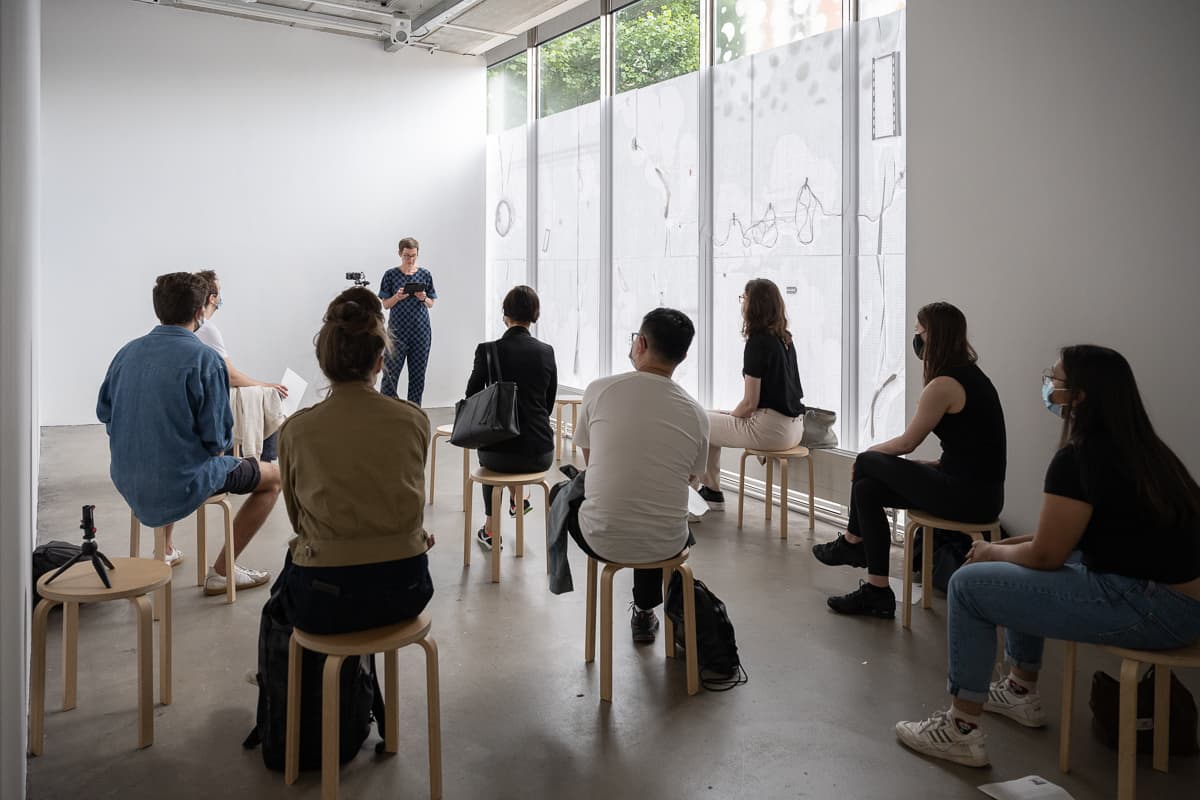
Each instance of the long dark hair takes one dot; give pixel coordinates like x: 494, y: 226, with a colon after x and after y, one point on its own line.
x: 1105, y: 401
x: 946, y: 342
x: 765, y: 311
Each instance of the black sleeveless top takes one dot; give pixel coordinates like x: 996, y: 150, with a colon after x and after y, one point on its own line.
x: 974, y: 446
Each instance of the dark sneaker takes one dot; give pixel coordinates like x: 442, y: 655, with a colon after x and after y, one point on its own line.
x: 715, y: 500
x: 866, y: 600
x: 485, y: 539
x: 840, y: 552
x: 512, y: 507
x: 643, y: 623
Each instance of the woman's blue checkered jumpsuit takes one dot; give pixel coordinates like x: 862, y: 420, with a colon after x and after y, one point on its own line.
x: 408, y: 324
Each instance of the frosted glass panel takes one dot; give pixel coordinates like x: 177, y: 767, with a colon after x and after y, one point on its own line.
x: 777, y: 132
x: 655, y: 211
x: 507, y: 173
x: 569, y: 240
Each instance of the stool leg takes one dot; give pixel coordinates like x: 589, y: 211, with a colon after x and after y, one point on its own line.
x: 770, y: 485
x: 468, y: 502
x: 783, y: 498
x: 466, y: 478
x: 558, y: 432
x: 906, y: 614
x: 160, y: 554
x: 164, y: 649
x: 689, y: 629
x: 589, y: 621
x: 135, y: 536
x: 70, y: 654
x: 1068, y: 708
x: 812, y: 495
x: 37, y: 677
x: 391, y: 701
x: 606, y: 625
x: 230, y: 568
x: 519, y: 500
x: 741, y: 487
x: 497, y: 499
x: 1127, y: 736
x: 433, y: 690
x: 433, y: 468
x: 1162, y: 716
x: 668, y: 625
x: 291, y: 758
x: 145, y: 669
x: 330, y: 729
x: 927, y: 535
x: 546, y: 497
x: 201, y: 545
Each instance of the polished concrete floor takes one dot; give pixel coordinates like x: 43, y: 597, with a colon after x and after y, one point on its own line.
x: 521, y: 716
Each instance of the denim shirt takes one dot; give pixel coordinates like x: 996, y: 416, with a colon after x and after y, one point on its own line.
x: 165, y: 405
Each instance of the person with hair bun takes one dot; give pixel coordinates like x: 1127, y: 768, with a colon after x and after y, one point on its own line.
x: 353, y: 473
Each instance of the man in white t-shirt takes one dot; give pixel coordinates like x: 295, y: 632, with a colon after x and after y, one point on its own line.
x: 643, y: 439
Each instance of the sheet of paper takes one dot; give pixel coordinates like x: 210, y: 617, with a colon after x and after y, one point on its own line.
x: 1031, y: 787
x: 696, y: 504
x: 296, y: 387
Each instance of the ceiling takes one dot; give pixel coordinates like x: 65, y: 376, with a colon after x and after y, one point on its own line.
x: 467, y: 27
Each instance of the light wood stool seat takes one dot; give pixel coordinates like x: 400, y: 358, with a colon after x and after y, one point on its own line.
x: 499, y: 481
x: 444, y: 431
x: 160, y: 544
x: 1163, y: 661
x: 336, y: 648
x: 918, y: 520
x: 559, y: 402
x: 132, y: 579
x: 669, y: 566
x: 782, y: 456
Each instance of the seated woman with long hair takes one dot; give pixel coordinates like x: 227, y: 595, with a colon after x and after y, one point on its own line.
x: 1115, y: 559
x: 353, y: 473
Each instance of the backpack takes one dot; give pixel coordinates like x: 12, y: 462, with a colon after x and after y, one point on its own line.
x: 49, y: 557
x: 716, y: 649
x: 1105, y: 702
x: 360, y: 696
x: 950, y: 550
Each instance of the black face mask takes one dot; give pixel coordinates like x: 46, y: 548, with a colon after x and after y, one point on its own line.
x: 918, y: 345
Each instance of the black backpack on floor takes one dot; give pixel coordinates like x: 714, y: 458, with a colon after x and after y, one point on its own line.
x: 49, y: 557
x: 360, y: 696
x: 716, y: 648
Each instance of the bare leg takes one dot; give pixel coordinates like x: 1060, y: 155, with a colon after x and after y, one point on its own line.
x: 169, y: 546
x: 253, y: 513
x: 967, y: 707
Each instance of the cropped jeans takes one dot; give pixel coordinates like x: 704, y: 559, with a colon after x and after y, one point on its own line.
x: 1071, y: 603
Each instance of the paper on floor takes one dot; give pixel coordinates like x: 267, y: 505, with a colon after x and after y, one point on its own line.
x: 296, y: 387
x: 1031, y: 787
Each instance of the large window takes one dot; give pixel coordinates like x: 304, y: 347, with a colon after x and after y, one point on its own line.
x: 506, y: 184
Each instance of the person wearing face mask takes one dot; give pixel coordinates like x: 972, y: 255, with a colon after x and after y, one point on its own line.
x: 165, y: 406
x: 960, y: 406
x: 1115, y: 559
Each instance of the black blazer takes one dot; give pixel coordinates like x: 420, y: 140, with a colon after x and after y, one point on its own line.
x: 530, y: 364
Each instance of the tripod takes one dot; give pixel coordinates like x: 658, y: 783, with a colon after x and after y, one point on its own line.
x: 89, y: 549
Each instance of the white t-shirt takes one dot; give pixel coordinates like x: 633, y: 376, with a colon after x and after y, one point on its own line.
x: 645, y: 436
x: 210, y: 334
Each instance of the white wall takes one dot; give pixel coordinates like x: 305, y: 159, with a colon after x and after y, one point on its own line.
x: 1054, y: 150
x: 282, y: 158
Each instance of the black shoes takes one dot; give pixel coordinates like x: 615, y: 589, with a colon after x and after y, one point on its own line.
x: 484, y: 538
x: 840, y: 552
x: 867, y: 601
x: 715, y: 500
x: 512, y: 507
x: 643, y: 623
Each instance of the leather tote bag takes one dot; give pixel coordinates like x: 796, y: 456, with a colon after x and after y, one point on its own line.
x: 490, y: 415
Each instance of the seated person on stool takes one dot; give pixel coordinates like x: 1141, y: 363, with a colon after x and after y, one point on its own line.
x: 353, y: 470
x: 770, y: 415
x: 1117, y: 494
x: 644, y: 439
x: 529, y: 364
x: 960, y: 406
x: 165, y: 405
x: 211, y: 336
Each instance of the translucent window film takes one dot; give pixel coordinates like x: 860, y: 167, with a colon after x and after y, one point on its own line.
x: 746, y: 27
x: 777, y: 135
x: 506, y: 222
x: 507, y: 94
x: 569, y: 69
x: 656, y: 40
x: 867, y: 9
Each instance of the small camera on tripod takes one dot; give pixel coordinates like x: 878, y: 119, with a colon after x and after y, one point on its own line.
x: 89, y: 550
x: 359, y: 278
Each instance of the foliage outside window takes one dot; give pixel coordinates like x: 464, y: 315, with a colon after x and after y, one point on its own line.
x: 507, y: 91
x: 656, y: 41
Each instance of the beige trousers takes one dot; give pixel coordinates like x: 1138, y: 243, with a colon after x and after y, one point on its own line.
x: 765, y: 429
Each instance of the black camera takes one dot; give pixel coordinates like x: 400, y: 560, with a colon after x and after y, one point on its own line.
x: 359, y: 278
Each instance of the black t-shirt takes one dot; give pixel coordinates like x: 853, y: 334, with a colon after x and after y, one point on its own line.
x: 774, y: 363
x: 1122, y: 536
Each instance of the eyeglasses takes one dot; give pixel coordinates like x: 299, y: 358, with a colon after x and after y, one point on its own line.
x: 634, y: 337
x: 1049, y: 377
x: 741, y: 298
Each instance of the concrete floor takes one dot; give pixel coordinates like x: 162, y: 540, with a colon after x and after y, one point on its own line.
x: 521, y: 716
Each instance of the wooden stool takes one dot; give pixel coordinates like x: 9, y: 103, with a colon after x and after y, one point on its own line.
x: 446, y: 430
x: 1163, y: 661
x: 782, y: 456
x: 573, y: 402
x: 160, y: 545
x: 499, y: 481
x: 387, y: 640
x: 918, y: 520
x: 131, y: 580
x: 670, y: 565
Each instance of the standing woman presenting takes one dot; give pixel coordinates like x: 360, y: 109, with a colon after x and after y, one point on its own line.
x: 408, y: 321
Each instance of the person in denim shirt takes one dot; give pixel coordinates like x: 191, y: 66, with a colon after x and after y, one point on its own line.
x: 165, y: 405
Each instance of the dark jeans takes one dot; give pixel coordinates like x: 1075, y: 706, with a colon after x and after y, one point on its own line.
x: 882, y: 481
x: 326, y: 600
x: 514, y: 463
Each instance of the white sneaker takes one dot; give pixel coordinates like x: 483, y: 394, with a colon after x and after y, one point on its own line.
x: 1023, y: 708
x: 246, y: 579
x: 940, y: 737
x: 173, y: 558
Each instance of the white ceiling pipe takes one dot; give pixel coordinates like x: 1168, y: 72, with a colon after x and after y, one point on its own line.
x: 294, y: 16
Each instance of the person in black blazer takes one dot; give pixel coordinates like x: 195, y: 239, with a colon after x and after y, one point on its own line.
x: 530, y: 364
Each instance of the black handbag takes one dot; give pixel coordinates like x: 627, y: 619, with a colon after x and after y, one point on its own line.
x: 1106, y: 714
x: 490, y: 415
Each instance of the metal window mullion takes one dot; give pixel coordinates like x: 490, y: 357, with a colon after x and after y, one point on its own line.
x: 705, y: 348
x: 850, y: 298
x: 608, y: 53
x: 532, y: 109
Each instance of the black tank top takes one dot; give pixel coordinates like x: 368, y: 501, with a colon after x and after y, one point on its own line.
x: 973, y: 440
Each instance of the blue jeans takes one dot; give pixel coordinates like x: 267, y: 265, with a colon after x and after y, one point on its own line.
x: 1071, y: 603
